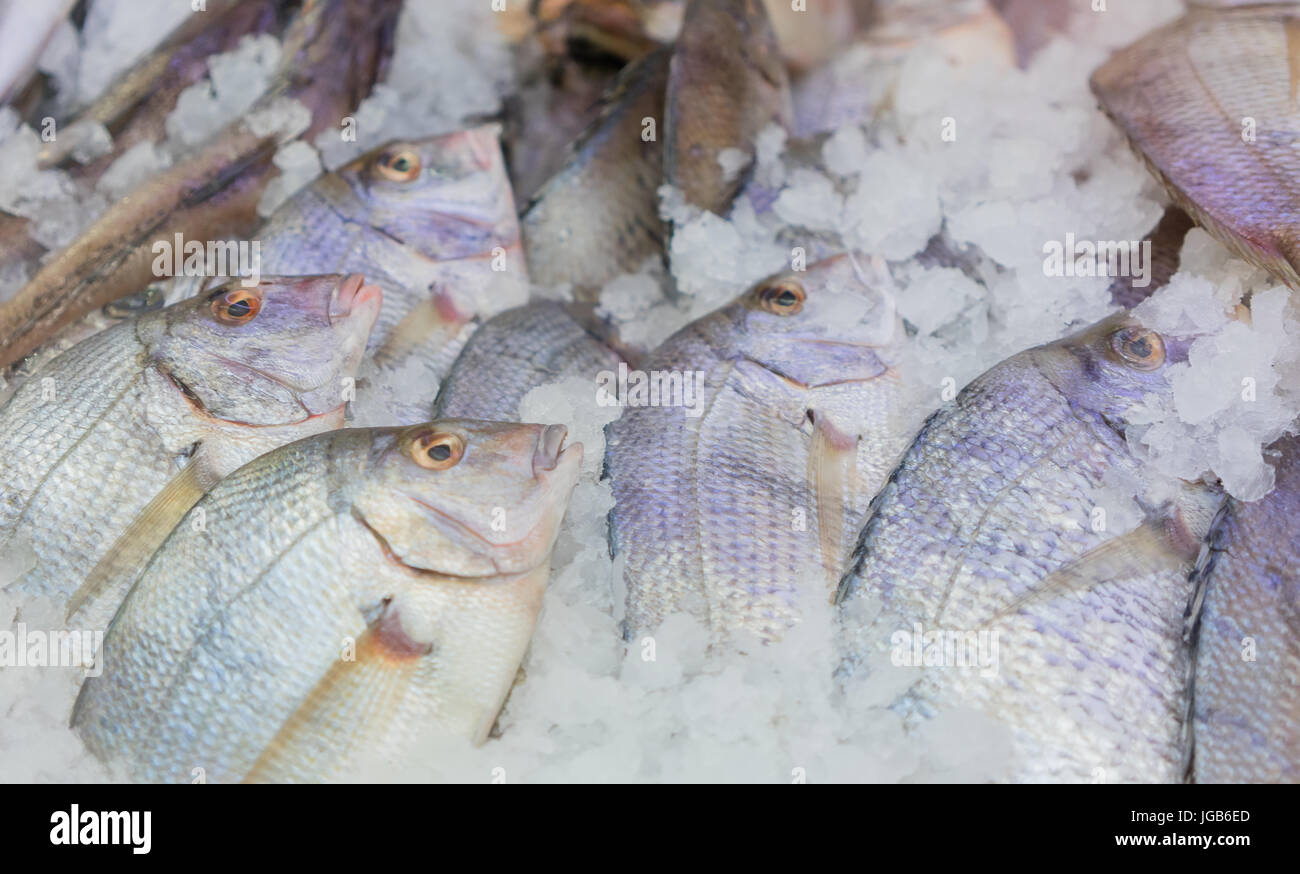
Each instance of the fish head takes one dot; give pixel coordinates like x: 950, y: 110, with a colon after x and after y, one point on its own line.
x: 822, y: 326
x: 1112, y: 365
x: 467, y: 498
x: 274, y: 353
x: 444, y: 197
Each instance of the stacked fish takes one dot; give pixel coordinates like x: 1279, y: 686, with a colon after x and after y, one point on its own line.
x: 285, y: 596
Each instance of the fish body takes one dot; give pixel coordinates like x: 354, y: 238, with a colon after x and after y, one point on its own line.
x: 333, y: 52
x: 368, y: 606
x: 598, y: 217
x: 1246, y: 691
x: 91, y: 438
x: 518, y: 350
x: 988, y: 531
x: 726, y: 82
x: 716, y: 511
x: 1209, y: 102
x: 433, y: 224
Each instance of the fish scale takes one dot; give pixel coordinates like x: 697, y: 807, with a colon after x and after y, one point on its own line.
x: 232, y: 652
x: 989, y: 512
x: 91, y: 424
x: 720, y: 516
x: 85, y: 462
x: 1246, y: 713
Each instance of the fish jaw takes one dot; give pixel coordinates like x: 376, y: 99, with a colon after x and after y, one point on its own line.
x: 812, y: 362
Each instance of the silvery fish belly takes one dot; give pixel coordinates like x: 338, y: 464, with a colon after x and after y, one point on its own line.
x: 433, y: 223
x: 734, y: 501
x: 995, y: 566
x: 518, y: 350
x: 1246, y: 693
x: 342, y: 601
x: 209, y: 382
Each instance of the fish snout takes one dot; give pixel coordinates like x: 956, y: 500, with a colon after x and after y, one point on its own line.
x: 354, y: 296
x: 546, y: 456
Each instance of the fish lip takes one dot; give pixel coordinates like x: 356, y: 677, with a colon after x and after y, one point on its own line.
x: 492, y: 547
x: 546, y: 455
x: 354, y: 295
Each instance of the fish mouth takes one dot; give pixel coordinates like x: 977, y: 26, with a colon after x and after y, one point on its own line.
x: 354, y: 296
x: 854, y: 363
x: 202, y: 410
x: 547, y: 453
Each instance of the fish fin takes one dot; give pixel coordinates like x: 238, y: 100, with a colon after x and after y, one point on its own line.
x: 1145, y: 549
x: 352, y: 703
x: 832, y: 474
x: 1201, y: 573
x: 431, y: 316
x: 131, y: 551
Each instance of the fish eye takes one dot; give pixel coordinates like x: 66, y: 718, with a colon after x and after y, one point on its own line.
x: 1139, y: 348
x: 235, y: 306
x: 399, y: 165
x: 782, y: 298
x: 436, y: 450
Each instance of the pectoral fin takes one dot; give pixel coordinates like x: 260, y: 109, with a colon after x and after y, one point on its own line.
x: 354, y: 703
x: 132, y: 550
x: 1146, y: 549
x: 832, y: 475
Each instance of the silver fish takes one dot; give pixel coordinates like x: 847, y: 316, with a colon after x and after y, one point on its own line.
x: 352, y: 595
x: 988, y: 534
x: 1209, y: 102
x: 96, y: 435
x: 1246, y: 691
x: 734, y: 503
x: 599, y: 216
x: 518, y: 350
x: 433, y: 224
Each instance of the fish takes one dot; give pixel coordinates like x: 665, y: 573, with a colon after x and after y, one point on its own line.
x: 1208, y: 102
x: 213, y: 193
x: 433, y: 223
x: 726, y: 83
x: 1245, y: 633
x: 995, y: 531
x: 566, y: 59
x: 522, y: 348
x: 598, y: 217
x: 737, y: 503
x: 103, y: 430
x: 366, y: 592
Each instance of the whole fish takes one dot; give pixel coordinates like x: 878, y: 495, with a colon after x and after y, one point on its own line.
x: 333, y: 51
x: 518, y: 350
x: 733, y: 501
x: 1209, y: 102
x: 100, y: 432
x: 726, y: 82
x: 431, y: 222
x: 599, y: 216
x: 988, y: 534
x: 351, y: 595
x: 1246, y: 691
